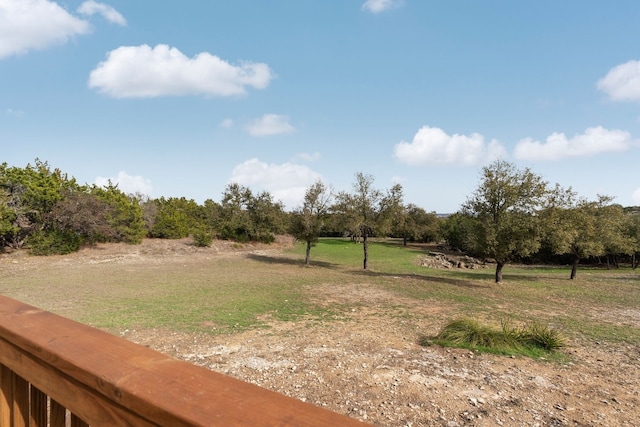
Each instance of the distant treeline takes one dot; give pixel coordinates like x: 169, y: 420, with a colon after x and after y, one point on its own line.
x: 512, y: 216
x: 49, y: 212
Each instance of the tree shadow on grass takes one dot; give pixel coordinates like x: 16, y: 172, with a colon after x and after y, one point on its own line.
x: 471, y: 284
x: 290, y: 261
x: 507, y: 276
x: 461, y: 279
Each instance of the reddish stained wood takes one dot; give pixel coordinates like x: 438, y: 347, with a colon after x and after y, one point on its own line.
x: 69, y: 393
x: 38, y: 411
x: 160, y: 389
x: 77, y: 422
x: 20, y: 402
x: 58, y: 414
x: 6, y: 395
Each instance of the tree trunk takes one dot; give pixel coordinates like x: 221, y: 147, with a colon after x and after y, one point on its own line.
x: 499, y: 267
x: 574, y: 268
x: 404, y: 241
x: 634, y: 261
x: 307, y: 253
x: 365, y: 248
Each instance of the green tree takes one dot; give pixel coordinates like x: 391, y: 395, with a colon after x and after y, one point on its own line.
x: 266, y: 218
x: 235, y: 223
x: 504, y: 208
x: 123, y: 212
x: 457, y: 230
x: 247, y: 217
x: 392, y: 211
x: 175, y: 218
x: 30, y: 193
x: 417, y: 225
x: 8, y: 225
x: 367, y: 210
x: 614, y: 225
x: 208, y: 223
x: 211, y: 212
x: 308, y: 220
x: 633, y: 231
x: 583, y: 228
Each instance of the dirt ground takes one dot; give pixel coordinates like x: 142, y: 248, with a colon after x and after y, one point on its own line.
x: 366, y: 365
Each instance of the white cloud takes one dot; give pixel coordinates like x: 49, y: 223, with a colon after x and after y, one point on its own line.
x: 557, y: 146
x: 377, y: 6
x: 434, y: 146
x: 35, y: 24
x: 622, y: 82
x: 128, y: 184
x: 226, y: 123
x: 145, y: 72
x: 270, y: 124
x: 286, y: 182
x: 91, y: 7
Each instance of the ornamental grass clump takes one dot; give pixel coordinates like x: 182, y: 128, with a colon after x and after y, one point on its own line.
x: 468, y: 332
x: 538, y: 335
x: 529, y: 339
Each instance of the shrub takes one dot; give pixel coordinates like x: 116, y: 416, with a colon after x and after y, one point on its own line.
x: 170, y: 225
x: 265, y: 237
x: 202, y: 238
x: 528, y: 339
x: 54, y: 242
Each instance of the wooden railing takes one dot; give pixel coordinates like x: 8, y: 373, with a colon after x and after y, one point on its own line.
x: 57, y: 372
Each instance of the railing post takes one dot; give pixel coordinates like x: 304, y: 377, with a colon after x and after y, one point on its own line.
x: 38, y: 413
x: 93, y: 378
x: 58, y: 414
x: 20, y: 401
x: 6, y: 395
x: 77, y: 422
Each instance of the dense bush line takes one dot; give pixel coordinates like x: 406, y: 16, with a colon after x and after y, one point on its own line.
x: 513, y: 216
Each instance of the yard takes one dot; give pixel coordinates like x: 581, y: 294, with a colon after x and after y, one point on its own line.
x: 347, y: 339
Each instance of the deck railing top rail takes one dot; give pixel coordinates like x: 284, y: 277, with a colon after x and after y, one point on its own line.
x: 106, y: 380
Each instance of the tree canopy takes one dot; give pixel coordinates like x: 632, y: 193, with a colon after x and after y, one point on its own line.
x: 512, y: 215
x: 308, y: 220
x: 582, y: 228
x: 504, y: 208
x: 367, y: 210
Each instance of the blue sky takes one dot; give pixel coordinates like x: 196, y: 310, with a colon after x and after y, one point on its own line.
x: 182, y: 98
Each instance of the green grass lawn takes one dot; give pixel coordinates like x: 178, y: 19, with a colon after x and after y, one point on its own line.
x: 230, y: 293
x: 591, y: 305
